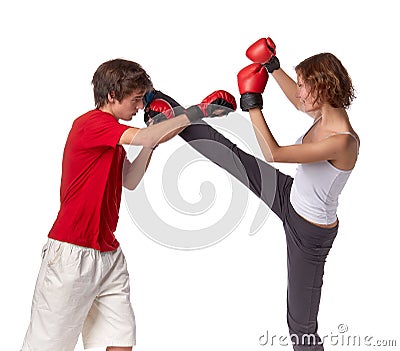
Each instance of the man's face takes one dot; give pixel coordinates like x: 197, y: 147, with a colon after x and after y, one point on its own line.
x: 128, y: 106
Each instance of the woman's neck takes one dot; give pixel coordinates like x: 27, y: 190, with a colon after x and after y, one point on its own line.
x: 332, y: 116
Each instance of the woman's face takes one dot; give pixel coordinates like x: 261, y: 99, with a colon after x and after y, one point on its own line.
x: 304, y: 95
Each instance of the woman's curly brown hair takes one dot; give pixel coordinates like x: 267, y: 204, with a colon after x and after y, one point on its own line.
x: 327, y: 79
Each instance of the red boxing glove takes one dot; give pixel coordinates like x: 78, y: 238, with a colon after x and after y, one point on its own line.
x: 218, y: 103
x: 252, y: 81
x: 263, y: 51
x: 161, y: 107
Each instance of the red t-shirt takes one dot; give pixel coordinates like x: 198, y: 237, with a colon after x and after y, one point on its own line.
x: 91, y: 183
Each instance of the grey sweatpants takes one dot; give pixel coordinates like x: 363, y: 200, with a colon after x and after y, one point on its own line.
x: 307, y: 245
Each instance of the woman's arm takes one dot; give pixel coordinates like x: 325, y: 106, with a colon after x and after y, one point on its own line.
x: 328, y: 149
x: 288, y: 86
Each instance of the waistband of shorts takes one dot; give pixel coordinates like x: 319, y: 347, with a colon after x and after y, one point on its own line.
x: 298, y: 220
x: 51, y: 242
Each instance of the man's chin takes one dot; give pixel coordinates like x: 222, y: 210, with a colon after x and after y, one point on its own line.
x: 129, y: 118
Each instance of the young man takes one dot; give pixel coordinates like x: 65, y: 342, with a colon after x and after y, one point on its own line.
x: 83, y: 282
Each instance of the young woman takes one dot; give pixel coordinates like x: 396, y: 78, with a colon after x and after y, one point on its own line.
x: 326, y: 155
x: 307, y: 203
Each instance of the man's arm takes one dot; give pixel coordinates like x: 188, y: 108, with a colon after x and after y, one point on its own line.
x: 218, y: 103
x: 149, y: 138
x: 155, y: 134
x: 133, y: 172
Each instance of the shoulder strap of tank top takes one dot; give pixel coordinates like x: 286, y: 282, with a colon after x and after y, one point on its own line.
x: 315, y: 121
x: 351, y: 134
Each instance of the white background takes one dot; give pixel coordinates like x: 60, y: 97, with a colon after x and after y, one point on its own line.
x: 224, y: 297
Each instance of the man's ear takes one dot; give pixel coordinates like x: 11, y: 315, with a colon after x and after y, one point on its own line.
x: 111, y: 96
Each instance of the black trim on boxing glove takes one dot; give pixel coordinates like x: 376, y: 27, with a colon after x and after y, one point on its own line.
x: 251, y: 100
x: 194, y: 114
x: 219, y: 104
x: 149, y: 97
x: 156, y: 117
x: 273, y: 64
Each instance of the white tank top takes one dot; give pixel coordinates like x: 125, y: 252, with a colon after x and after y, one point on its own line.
x: 316, y: 189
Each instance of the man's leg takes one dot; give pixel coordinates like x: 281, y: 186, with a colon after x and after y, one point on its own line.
x: 111, y: 320
x: 62, y: 298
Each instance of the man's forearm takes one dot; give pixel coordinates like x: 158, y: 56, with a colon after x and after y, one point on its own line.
x: 134, y: 172
x: 155, y: 134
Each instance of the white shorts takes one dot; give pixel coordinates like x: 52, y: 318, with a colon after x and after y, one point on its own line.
x: 80, y: 290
